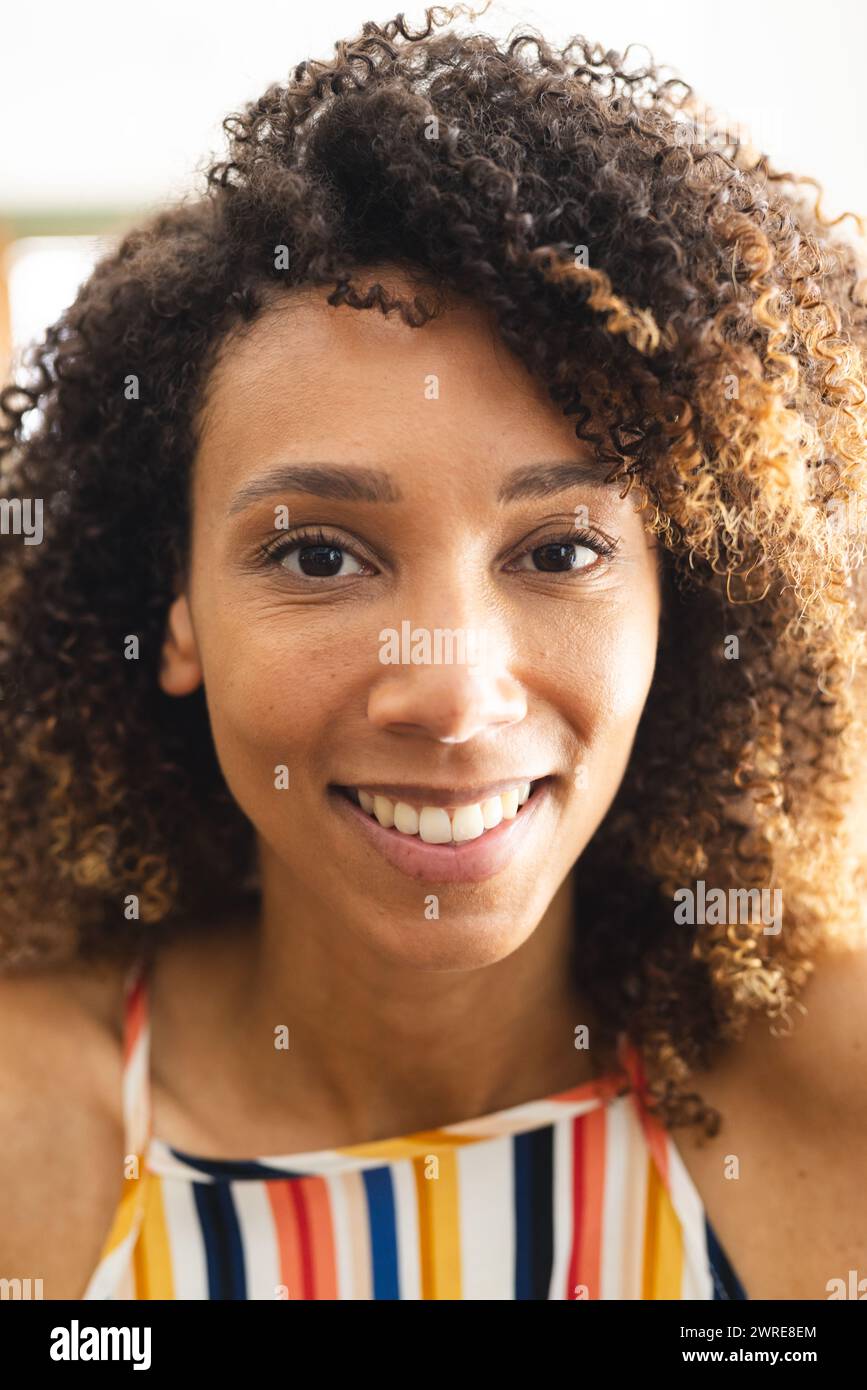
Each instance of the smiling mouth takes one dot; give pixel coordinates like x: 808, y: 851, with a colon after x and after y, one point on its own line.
x: 440, y: 825
x: 445, y: 860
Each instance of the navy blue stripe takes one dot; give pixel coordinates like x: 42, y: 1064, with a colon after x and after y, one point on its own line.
x: 726, y: 1284
x: 383, y: 1231
x: 234, y: 1170
x: 222, y: 1237
x: 533, y: 1167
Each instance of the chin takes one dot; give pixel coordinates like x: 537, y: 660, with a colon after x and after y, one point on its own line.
x: 456, y: 940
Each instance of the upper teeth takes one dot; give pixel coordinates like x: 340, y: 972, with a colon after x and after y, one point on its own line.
x: 434, y: 824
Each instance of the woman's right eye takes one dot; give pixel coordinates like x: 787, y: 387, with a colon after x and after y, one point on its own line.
x: 314, y: 556
x: 319, y: 561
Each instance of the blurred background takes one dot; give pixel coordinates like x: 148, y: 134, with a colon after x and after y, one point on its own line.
x: 108, y: 109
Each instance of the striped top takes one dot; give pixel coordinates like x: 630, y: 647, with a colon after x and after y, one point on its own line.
x: 581, y: 1194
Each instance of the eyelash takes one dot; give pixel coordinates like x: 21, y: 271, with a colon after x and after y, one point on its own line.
x: 278, y: 547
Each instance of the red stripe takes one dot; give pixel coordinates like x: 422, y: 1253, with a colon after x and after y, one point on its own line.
x: 135, y: 1015
x: 594, y: 1138
x: 305, y: 1245
x: 322, y: 1237
x: 574, y: 1271
x: 284, y: 1226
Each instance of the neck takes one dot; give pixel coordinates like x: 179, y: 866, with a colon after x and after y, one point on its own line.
x: 382, y: 1048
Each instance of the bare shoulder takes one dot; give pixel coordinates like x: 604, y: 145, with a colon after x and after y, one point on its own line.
x: 782, y: 1182
x: 61, y: 1153
x: 61, y: 1024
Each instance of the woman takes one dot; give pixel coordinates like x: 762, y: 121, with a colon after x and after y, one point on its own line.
x: 429, y: 731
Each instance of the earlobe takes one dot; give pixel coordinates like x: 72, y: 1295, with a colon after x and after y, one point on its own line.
x: 181, y: 670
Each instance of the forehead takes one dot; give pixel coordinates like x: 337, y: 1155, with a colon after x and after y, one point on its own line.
x: 306, y: 364
x: 445, y: 413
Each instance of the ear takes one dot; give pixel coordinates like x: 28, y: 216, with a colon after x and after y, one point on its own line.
x: 181, y: 669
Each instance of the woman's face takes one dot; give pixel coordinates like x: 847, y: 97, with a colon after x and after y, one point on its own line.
x: 445, y: 640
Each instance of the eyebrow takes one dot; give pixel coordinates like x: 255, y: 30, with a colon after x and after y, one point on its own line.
x: 330, y: 480
x: 537, y: 480
x: 351, y: 483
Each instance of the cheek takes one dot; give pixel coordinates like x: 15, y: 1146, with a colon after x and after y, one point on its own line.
x: 607, y: 701
x: 610, y: 664
x: 630, y: 656
x: 271, y: 695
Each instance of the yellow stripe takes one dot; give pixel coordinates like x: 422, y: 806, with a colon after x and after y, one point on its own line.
x: 409, y: 1145
x: 663, y: 1242
x: 124, y: 1215
x: 153, y: 1260
x: 439, y: 1229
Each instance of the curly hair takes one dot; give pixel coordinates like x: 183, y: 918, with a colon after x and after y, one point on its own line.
x: 677, y: 295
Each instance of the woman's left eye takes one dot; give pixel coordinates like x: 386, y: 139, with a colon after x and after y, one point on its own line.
x: 567, y: 554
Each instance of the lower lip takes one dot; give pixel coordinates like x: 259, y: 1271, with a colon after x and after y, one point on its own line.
x: 471, y: 861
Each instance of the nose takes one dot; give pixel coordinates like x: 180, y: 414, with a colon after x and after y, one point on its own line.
x: 451, y: 702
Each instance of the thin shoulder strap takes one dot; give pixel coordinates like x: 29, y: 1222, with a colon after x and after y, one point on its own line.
x: 630, y: 1066
x: 655, y: 1134
x: 629, y: 1057
x: 136, y: 1059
